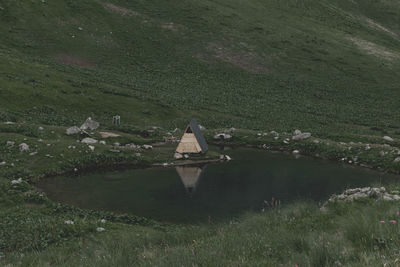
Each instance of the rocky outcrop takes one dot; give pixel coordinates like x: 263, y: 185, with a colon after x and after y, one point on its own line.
x: 378, y: 193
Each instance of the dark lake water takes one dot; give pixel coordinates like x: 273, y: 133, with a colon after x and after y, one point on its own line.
x: 213, y: 192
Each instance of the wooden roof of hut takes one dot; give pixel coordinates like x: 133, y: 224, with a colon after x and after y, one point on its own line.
x: 192, y: 140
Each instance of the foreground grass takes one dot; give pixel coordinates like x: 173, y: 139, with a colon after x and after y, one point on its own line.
x: 347, y: 234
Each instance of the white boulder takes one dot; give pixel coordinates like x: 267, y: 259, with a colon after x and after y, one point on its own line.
x: 178, y: 155
x: 388, y: 138
x: 72, y: 130
x: 90, y: 124
x: 18, y: 181
x: 23, y: 147
x: 89, y: 140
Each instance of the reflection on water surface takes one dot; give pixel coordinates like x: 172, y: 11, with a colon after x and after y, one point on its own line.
x: 216, y: 191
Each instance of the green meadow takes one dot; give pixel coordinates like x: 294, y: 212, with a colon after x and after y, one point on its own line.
x: 330, y: 68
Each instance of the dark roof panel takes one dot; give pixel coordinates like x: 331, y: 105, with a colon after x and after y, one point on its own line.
x: 199, y: 136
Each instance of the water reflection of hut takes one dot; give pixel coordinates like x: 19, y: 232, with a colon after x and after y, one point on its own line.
x: 190, y: 176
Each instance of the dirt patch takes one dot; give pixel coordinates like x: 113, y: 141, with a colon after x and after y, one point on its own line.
x: 374, y: 49
x: 108, y: 134
x: 379, y: 27
x: 75, y: 61
x: 119, y: 10
x: 172, y: 26
x: 248, y: 61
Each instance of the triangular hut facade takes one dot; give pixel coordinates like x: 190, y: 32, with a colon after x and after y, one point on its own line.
x: 192, y: 140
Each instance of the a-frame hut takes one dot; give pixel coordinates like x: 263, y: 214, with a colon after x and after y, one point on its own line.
x: 192, y: 140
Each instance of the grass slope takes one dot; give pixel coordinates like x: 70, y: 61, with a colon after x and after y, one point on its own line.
x: 318, y: 65
x: 328, y: 67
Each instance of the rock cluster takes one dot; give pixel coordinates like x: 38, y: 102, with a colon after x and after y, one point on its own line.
x: 89, y: 124
x: 298, y: 135
x: 365, y: 192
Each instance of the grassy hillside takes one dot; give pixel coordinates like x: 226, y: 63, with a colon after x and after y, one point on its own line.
x: 320, y: 65
x: 327, y: 67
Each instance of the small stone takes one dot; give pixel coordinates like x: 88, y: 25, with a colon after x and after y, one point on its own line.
x: 388, y: 138
x: 147, y: 147
x: 295, y: 152
x: 10, y: 144
x: 33, y: 153
x: 178, y: 155
x: 397, y: 159
x: 316, y: 141
x: 274, y: 133
x: 18, y: 181
x: 114, y: 150
x: 89, y: 140
x: 103, y: 221
x: 40, y: 128
x: 186, y: 156
x: 3, y: 163
x: 91, y: 148
x: 201, y: 127
x: 100, y: 229
x: 296, y: 132
x: 286, y: 141
x: 72, y: 130
x: 222, y: 136
x: 102, y: 142
x: 75, y: 169
x: 23, y: 147
x: 69, y: 222
x: 138, y: 154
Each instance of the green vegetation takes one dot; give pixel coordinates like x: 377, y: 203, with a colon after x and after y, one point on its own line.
x: 326, y: 67
x: 348, y: 235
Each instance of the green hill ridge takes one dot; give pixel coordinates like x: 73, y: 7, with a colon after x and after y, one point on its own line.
x: 318, y: 65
